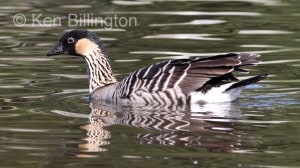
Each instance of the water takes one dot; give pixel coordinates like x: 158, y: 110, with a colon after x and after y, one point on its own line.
x: 46, y: 119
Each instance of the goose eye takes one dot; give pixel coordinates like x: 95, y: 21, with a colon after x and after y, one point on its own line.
x: 70, y: 40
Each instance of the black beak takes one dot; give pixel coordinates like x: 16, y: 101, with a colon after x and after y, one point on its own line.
x: 57, y: 50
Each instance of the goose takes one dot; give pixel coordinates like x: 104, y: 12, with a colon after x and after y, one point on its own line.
x: 178, y: 81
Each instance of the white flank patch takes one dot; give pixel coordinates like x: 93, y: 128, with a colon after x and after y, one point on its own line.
x: 217, y: 94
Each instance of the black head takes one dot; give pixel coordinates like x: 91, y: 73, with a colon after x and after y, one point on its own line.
x: 76, y: 42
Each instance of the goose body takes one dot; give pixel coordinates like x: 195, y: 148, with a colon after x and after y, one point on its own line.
x: 180, y: 81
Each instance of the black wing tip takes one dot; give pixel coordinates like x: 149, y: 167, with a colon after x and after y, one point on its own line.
x: 248, y: 81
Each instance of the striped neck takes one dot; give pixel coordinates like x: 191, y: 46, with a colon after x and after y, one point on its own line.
x: 99, y: 69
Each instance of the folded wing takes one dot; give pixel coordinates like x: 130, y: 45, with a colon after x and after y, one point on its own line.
x: 196, y: 74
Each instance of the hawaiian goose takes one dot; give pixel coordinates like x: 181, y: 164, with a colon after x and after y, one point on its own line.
x: 180, y: 81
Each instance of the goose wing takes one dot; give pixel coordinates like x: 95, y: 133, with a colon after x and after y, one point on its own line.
x: 196, y: 74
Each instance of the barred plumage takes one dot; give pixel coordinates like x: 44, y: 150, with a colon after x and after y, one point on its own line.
x: 169, y: 82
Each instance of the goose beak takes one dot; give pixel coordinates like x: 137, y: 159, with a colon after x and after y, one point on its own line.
x: 57, y: 50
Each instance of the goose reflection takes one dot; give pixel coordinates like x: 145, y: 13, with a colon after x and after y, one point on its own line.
x: 177, y: 126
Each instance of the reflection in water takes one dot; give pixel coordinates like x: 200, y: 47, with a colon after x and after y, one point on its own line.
x: 97, y: 135
x: 175, y: 126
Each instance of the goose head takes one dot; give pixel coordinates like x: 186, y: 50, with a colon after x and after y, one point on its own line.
x: 77, y: 43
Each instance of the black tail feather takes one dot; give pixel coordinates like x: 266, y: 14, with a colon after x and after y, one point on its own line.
x: 248, y: 81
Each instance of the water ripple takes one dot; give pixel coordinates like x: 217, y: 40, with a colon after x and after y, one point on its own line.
x: 183, y: 36
x: 68, y: 91
x: 188, y: 13
x: 70, y: 76
x: 279, y: 61
x: 127, y: 60
x: 193, y: 22
x: 264, y: 32
x: 25, y: 59
x: 129, y: 3
x: 10, y: 129
x: 70, y: 114
x: 75, y: 6
x: 261, y: 46
x: 146, y: 2
x: 103, y: 30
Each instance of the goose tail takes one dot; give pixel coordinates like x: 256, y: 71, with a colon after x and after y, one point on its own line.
x: 224, y: 93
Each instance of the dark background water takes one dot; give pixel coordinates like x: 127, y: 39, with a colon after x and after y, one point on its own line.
x: 44, y: 113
